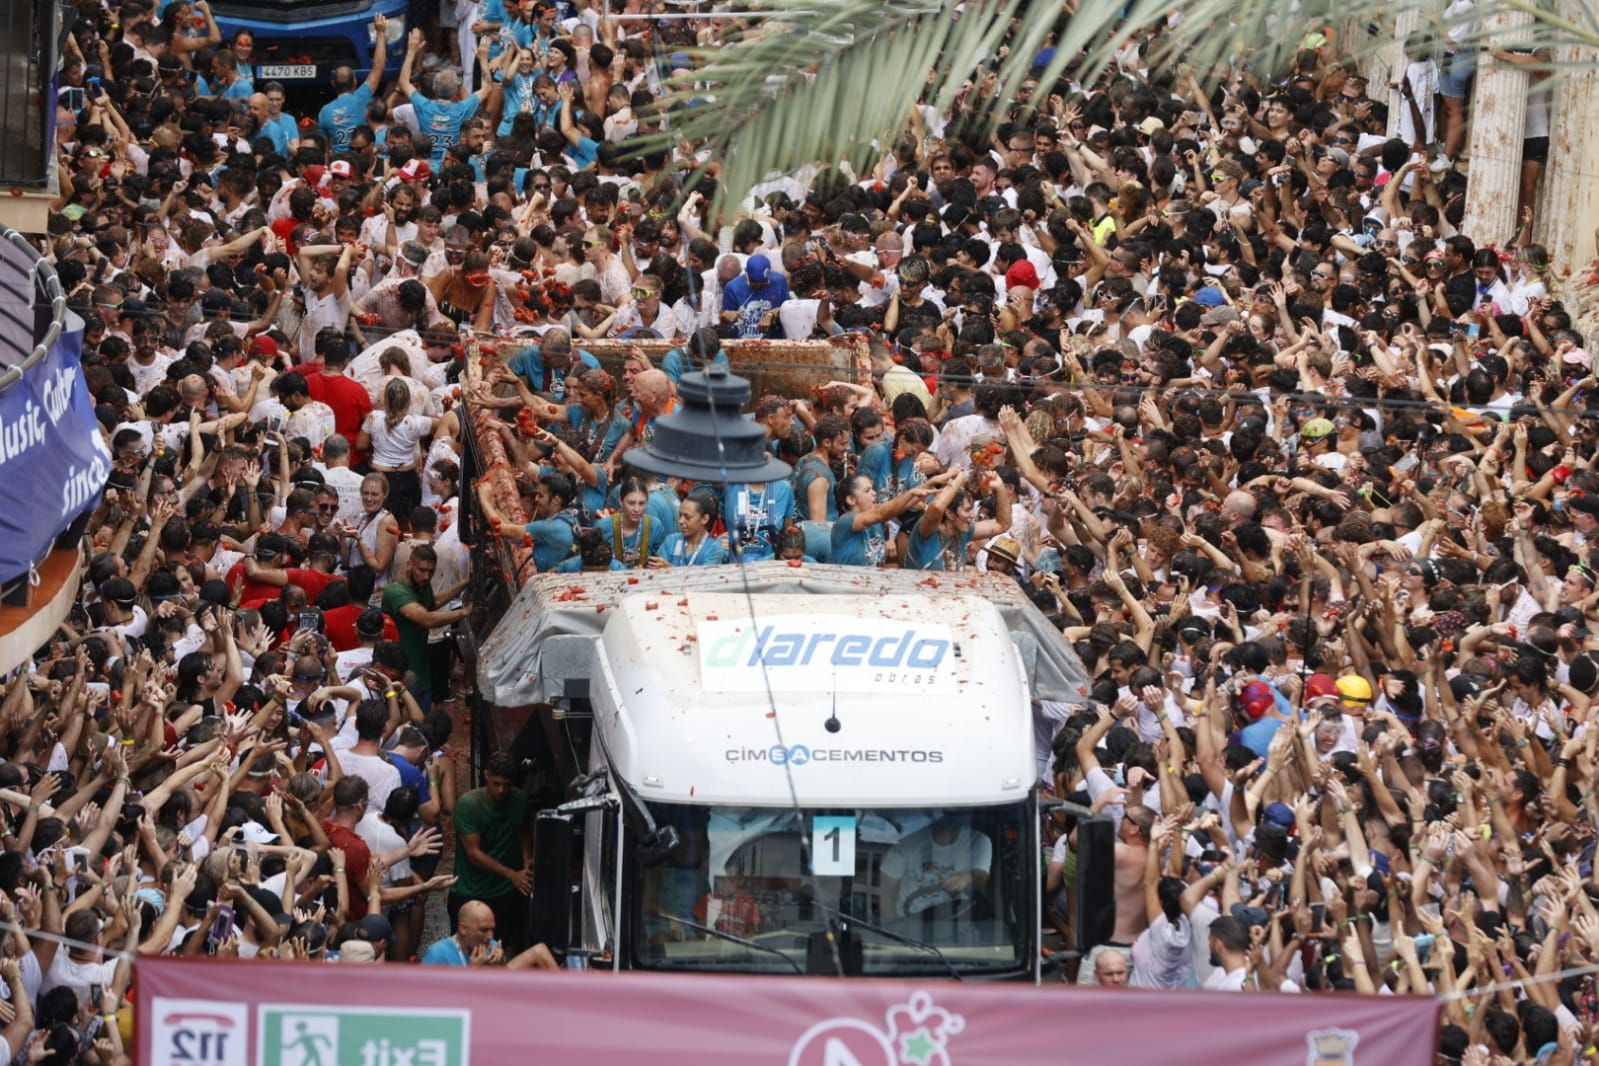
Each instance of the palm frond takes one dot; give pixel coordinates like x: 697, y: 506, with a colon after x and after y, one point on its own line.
x: 818, y: 82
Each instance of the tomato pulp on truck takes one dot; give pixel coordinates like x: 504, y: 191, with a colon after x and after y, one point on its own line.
x: 846, y: 781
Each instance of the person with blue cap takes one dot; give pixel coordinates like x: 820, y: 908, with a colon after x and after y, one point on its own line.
x: 751, y: 301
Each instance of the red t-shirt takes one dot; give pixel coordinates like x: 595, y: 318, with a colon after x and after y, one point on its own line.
x: 254, y: 593
x: 357, y: 857
x: 339, y: 627
x: 345, y: 395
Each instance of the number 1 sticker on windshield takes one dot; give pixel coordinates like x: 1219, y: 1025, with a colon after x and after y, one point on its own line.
x: 833, y: 845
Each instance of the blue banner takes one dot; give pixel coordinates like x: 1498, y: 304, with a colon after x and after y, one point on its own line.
x: 53, y: 460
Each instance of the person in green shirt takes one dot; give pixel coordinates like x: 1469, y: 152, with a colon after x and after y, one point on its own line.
x: 494, y: 851
x: 410, y: 602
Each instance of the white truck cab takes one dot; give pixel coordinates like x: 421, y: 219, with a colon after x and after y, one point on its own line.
x: 833, y: 773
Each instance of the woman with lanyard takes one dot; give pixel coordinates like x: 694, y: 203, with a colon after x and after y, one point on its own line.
x: 939, y: 540
x: 592, y: 413
x: 374, y: 535
x: 859, y: 537
x: 633, y: 534
x: 694, y: 545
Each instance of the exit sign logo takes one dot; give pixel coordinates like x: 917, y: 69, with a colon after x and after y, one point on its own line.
x: 310, y: 1035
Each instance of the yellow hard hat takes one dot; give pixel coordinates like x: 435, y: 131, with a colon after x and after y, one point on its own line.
x: 1354, y: 688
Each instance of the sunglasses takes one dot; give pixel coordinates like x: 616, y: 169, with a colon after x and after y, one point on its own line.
x: 643, y: 294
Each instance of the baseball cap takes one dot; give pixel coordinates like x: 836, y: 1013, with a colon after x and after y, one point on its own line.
x: 1318, y: 685
x: 358, y: 951
x: 1256, y: 699
x: 263, y: 345
x: 1209, y: 296
x: 375, y: 927
x: 1022, y: 273
x: 416, y: 170
x: 759, y: 269
x: 1151, y: 126
x: 1280, y: 814
x: 1316, y: 429
x: 253, y: 832
x: 341, y: 168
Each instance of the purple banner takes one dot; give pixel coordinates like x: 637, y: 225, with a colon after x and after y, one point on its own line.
x: 216, y: 1013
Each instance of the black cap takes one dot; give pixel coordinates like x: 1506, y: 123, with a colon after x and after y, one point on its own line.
x: 120, y: 591
x: 270, y: 545
x: 369, y: 623
x: 1584, y: 674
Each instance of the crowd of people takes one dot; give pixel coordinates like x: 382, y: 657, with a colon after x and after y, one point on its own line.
x: 1201, y: 359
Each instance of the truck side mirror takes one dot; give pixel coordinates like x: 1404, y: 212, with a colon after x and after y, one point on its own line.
x: 554, y: 840
x: 655, y: 847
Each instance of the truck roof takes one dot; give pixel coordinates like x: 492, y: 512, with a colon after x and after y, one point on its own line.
x: 929, y: 679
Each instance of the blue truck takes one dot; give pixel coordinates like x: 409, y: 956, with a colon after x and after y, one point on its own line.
x: 303, y: 41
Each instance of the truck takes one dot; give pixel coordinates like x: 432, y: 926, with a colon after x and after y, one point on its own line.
x: 812, y: 769
x: 304, y: 41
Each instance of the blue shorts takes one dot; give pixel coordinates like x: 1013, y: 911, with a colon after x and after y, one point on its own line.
x: 1455, y: 73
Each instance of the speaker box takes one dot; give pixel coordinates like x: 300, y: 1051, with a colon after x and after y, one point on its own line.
x: 1095, y: 919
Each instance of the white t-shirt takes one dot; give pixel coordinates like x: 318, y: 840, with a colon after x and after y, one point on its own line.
x: 921, y: 864
x: 379, y: 774
x: 77, y: 976
x: 395, y: 446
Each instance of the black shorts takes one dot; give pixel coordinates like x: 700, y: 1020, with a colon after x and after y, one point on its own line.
x: 1535, y: 150
x: 405, y: 493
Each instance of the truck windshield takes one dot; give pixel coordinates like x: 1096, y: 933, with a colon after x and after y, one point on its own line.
x: 954, y: 886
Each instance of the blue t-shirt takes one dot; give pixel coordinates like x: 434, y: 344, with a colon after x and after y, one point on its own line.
x: 341, y: 115
x: 241, y: 89
x: 808, y: 470
x: 753, y: 303
x: 877, y: 463
x: 868, y: 547
x: 281, y: 131
x: 583, y: 153
x: 929, y: 554
x: 631, y: 555
x: 710, y: 552
x: 519, y: 94
x: 574, y: 565
x: 444, y: 952
x: 442, y: 120
x: 676, y: 363
x: 528, y: 364
x: 553, y: 539
x: 756, y: 514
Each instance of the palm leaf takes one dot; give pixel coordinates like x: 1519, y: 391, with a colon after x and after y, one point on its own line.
x: 817, y: 82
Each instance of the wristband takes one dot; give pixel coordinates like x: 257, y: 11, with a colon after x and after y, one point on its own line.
x: 1523, y: 742
x: 391, y: 693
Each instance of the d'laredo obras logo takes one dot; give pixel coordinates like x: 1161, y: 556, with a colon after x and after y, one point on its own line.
x: 803, y: 652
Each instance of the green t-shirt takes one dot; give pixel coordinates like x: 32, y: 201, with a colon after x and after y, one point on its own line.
x: 413, y: 638
x: 499, y: 831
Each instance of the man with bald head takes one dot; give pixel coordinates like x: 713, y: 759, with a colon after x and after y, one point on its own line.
x: 1238, y: 507
x: 653, y: 395
x: 266, y: 107
x: 474, y: 945
x: 347, y: 110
